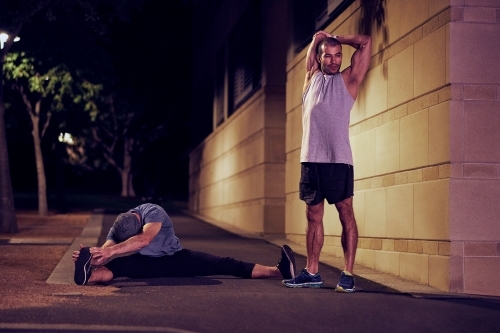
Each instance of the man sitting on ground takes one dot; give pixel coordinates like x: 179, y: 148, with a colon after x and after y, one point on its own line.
x: 142, y: 244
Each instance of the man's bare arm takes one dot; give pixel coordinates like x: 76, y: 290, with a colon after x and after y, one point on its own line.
x: 360, y: 61
x: 131, y: 245
x: 312, y: 65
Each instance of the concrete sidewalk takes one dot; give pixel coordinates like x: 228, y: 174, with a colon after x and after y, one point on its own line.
x: 63, y: 273
x: 226, y: 304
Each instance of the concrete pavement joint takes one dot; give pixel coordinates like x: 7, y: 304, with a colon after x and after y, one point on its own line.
x: 88, y: 328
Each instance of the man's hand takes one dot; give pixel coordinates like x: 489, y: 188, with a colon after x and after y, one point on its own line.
x: 94, y: 261
x: 322, y: 32
x: 76, y: 254
x: 100, y: 255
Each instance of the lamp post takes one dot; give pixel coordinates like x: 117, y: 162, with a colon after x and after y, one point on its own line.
x: 4, y: 37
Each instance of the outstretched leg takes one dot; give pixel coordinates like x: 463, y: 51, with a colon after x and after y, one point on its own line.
x: 101, y: 274
x: 260, y: 271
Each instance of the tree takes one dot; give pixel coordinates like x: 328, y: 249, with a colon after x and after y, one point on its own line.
x: 118, y: 133
x: 41, y: 95
x: 13, y: 15
x: 94, y: 14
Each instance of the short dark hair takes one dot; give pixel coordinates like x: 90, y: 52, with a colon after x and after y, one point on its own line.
x: 330, y: 41
x: 125, y: 226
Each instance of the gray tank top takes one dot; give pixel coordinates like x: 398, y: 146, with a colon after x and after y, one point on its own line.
x: 326, y: 108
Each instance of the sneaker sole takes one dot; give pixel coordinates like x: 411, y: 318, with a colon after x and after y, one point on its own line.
x: 81, y: 279
x: 339, y: 289
x: 289, y: 255
x: 303, y: 285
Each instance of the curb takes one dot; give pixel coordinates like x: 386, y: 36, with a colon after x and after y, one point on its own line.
x: 63, y: 273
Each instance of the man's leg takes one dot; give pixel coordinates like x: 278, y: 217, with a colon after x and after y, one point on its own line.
x: 349, y: 232
x: 84, y: 271
x: 309, y: 277
x: 349, y: 244
x: 314, y: 235
x: 260, y: 271
x: 101, y: 274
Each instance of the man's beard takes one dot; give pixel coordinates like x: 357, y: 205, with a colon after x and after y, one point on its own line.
x: 326, y: 70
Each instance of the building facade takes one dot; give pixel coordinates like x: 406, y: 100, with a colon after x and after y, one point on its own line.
x: 424, y: 133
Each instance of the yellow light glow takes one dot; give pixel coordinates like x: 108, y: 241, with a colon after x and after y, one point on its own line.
x: 4, y: 37
x: 66, y: 138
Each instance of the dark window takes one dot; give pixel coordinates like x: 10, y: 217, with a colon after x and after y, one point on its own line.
x: 310, y: 16
x: 245, y: 57
x: 220, y: 84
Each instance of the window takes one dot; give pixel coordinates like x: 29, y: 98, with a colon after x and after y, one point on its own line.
x: 245, y: 57
x: 238, y: 67
x: 220, y: 88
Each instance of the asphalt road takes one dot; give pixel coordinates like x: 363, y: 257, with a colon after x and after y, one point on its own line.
x: 227, y: 304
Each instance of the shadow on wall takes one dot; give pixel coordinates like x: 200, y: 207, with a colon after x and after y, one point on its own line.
x: 195, y: 161
x: 373, y: 14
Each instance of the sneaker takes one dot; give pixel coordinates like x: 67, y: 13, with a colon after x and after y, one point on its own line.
x: 346, y: 284
x: 82, y: 267
x: 304, y: 280
x: 286, y: 264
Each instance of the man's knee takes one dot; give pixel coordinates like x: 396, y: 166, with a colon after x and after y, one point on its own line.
x: 346, y: 211
x: 101, y: 274
x: 314, y: 213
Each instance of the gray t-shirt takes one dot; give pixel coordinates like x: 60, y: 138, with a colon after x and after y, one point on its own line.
x: 165, y: 242
x: 326, y: 109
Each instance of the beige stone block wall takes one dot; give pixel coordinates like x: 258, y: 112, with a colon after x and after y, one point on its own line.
x: 387, y: 261
x: 400, y: 138
x: 474, y: 148
x: 414, y: 140
x: 400, y: 79
x: 414, y: 267
x: 400, y: 220
x: 237, y: 175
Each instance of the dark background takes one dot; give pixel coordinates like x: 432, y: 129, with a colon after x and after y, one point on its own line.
x: 148, y: 55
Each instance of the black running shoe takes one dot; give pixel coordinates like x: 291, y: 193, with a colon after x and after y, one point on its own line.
x: 286, y: 264
x: 304, y: 280
x: 346, y: 283
x: 82, y: 267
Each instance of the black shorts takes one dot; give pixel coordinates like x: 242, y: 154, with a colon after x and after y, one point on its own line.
x: 331, y: 181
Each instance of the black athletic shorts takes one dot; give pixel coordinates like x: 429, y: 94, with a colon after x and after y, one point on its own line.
x: 331, y: 181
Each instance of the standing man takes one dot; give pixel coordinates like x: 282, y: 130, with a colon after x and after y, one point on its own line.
x: 326, y: 157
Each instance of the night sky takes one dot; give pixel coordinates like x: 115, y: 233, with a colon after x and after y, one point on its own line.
x: 146, y: 56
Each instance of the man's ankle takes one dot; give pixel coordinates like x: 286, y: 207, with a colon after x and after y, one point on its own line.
x: 312, y: 271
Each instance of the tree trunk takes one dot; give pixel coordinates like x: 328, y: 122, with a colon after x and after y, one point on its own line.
x: 127, y: 187
x: 40, y: 170
x: 124, y: 175
x: 8, y: 221
x: 131, y: 192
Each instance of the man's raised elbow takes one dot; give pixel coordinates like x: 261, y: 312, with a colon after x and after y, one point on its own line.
x: 367, y: 42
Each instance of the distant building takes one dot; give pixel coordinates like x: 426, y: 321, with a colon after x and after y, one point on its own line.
x: 425, y: 130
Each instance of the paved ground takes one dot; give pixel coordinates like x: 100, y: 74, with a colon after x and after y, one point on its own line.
x: 226, y: 304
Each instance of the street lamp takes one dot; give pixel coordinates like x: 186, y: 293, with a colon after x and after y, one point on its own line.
x: 4, y: 37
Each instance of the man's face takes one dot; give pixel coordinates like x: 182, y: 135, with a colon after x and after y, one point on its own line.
x: 331, y: 59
